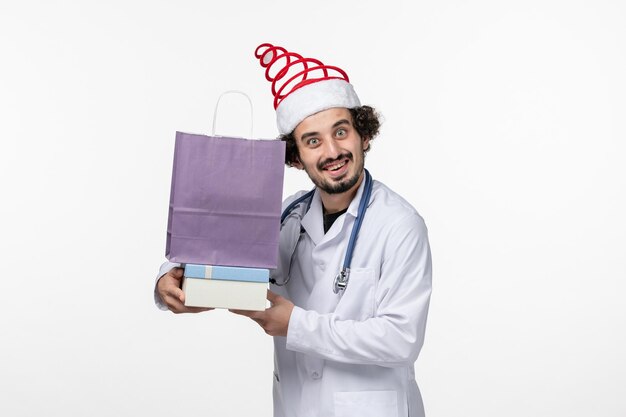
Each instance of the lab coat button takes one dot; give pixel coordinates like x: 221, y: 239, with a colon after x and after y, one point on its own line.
x: 315, y: 375
x: 322, y: 266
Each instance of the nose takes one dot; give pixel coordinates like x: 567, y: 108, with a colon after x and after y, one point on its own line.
x: 332, y: 148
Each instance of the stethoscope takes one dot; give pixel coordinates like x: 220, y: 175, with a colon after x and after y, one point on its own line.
x: 342, y: 278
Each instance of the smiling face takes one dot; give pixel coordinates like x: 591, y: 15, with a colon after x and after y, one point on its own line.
x: 331, y: 150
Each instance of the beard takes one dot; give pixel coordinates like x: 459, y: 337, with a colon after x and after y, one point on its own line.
x: 343, y: 185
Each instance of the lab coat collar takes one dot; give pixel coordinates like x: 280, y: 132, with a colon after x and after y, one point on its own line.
x: 353, y: 208
x: 313, y: 221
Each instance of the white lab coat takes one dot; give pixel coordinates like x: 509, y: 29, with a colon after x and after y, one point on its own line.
x: 351, y: 354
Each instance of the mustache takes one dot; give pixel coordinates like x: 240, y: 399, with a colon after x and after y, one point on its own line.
x: 345, y: 155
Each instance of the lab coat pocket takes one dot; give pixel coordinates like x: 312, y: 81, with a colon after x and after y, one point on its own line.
x: 366, y: 404
x: 357, y: 301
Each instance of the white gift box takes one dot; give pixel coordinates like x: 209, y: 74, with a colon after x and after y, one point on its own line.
x: 240, y: 295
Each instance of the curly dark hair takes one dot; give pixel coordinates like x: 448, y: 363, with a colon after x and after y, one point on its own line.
x: 366, y: 121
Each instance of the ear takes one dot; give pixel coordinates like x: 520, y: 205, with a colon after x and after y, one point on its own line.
x: 366, y: 144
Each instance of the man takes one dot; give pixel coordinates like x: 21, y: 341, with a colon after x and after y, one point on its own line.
x: 338, y: 351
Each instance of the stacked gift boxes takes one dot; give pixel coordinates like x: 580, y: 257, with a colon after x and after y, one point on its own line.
x: 225, y: 287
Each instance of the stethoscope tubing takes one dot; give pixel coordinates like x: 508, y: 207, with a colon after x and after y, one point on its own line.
x: 367, y: 192
x: 342, y: 278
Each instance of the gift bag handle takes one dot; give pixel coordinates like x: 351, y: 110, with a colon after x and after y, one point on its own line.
x: 218, y: 104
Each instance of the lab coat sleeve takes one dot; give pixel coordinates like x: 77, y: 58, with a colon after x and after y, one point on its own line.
x: 394, y: 335
x: 164, y: 269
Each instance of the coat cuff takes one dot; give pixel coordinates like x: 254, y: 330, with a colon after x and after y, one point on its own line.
x: 293, y: 330
x: 164, y: 269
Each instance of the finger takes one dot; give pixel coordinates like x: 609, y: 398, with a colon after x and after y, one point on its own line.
x: 177, y: 307
x: 184, y: 309
x: 254, y: 315
x: 176, y: 293
x: 272, y: 296
x: 197, y: 309
x: 241, y: 312
x: 174, y: 304
x: 177, y: 273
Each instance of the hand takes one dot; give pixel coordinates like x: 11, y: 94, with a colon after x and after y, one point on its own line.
x: 168, y: 287
x: 274, y: 320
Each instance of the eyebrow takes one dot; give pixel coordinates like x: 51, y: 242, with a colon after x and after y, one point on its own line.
x: 337, y: 124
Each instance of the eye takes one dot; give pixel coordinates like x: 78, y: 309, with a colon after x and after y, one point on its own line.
x: 313, y: 141
x: 341, y: 133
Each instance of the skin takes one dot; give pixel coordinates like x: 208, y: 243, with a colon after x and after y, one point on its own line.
x: 274, y: 320
x: 169, y: 288
x: 332, y: 153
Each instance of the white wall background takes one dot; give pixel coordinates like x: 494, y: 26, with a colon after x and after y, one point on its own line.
x: 504, y: 126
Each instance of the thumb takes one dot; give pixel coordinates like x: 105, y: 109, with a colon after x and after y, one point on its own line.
x: 177, y: 273
x: 272, y: 297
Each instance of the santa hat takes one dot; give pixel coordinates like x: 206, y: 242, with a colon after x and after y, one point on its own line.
x: 303, y: 86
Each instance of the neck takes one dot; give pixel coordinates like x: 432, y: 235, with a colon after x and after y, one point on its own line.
x: 337, y: 202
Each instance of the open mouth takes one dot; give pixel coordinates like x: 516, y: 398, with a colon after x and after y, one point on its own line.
x: 337, y: 168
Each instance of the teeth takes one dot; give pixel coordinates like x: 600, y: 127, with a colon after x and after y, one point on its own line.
x: 336, y: 166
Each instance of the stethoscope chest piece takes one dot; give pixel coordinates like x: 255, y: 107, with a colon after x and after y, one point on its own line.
x: 341, y: 280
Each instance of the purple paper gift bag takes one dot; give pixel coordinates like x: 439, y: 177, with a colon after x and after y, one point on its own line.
x: 225, y: 201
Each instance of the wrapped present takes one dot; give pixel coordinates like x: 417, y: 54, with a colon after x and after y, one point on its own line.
x: 227, y: 273
x: 240, y: 295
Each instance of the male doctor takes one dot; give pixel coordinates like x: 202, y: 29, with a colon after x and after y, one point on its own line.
x: 340, y: 350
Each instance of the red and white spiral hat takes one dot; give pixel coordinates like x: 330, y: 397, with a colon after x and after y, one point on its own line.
x: 303, y: 86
